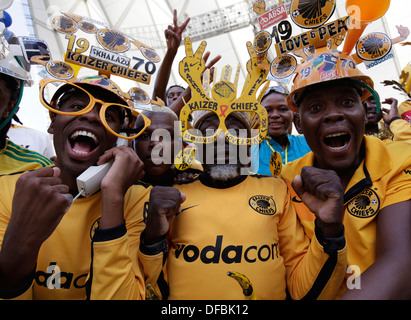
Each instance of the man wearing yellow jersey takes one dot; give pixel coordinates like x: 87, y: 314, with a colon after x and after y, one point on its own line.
x: 240, y: 226
x: 52, y: 248
x: 14, y: 75
x: 376, y: 176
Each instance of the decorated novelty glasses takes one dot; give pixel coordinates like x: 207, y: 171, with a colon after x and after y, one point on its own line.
x: 66, y: 98
x: 249, y: 112
x: 223, y: 100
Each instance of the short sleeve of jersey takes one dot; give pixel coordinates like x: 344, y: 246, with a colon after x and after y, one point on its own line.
x: 399, y: 187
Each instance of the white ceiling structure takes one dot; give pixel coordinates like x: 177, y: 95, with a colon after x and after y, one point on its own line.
x: 226, y: 25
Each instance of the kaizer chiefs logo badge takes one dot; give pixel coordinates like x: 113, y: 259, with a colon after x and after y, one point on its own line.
x: 60, y: 70
x: 139, y: 95
x: 224, y: 90
x: 283, y: 66
x: 310, y: 14
x: 365, y: 205
x: 263, y: 205
x: 262, y: 41
x: 87, y: 27
x: 113, y: 40
x: 276, y: 164
x: 64, y: 24
x: 373, y: 46
x: 150, y: 54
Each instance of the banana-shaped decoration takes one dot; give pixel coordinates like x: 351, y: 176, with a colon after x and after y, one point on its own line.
x: 245, y: 283
x: 151, y: 294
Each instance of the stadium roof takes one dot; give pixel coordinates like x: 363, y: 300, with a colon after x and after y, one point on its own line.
x: 226, y: 25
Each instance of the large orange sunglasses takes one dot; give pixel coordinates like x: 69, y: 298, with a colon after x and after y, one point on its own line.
x: 52, y: 96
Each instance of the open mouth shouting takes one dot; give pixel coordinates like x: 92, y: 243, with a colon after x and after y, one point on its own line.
x: 83, y: 143
x: 337, y: 142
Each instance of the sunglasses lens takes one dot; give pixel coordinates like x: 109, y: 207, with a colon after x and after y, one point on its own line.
x: 132, y: 122
x: 277, y: 89
x: 64, y: 97
x: 246, y: 129
x: 115, y: 117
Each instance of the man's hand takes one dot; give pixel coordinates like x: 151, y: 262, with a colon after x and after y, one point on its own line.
x: 39, y: 203
x: 164, y: 204
x: 404, y: 32
x: 322, y: 192
x: 173, y: 33
x: 392, y: 112
x: 126, y: 170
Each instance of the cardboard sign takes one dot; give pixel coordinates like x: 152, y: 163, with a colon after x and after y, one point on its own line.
x: 92, y: 44
x: 107, y: 68
x: 309, y: 14
x: 272, y: 17
x: 316, y: 37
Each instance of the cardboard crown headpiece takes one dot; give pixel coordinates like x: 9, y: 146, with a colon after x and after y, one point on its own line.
x: 221, y: 100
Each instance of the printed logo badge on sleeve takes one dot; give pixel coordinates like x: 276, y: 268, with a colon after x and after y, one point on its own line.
x: 365, y: 205
x: 309, y: 14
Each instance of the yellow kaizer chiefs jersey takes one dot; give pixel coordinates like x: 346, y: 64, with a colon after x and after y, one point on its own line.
x: 250, y: 228
x: 382, y: 179
x: 14, y: 158
x: 65, y: 258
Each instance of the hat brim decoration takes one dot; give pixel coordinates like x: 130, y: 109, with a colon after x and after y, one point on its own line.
x: 325, y: 65
x: 93, y: 45
x: 96, y: 52
x: 316, y: 49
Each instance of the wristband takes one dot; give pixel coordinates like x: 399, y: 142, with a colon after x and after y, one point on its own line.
x: 330, y: 245
x: 153, y: 249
